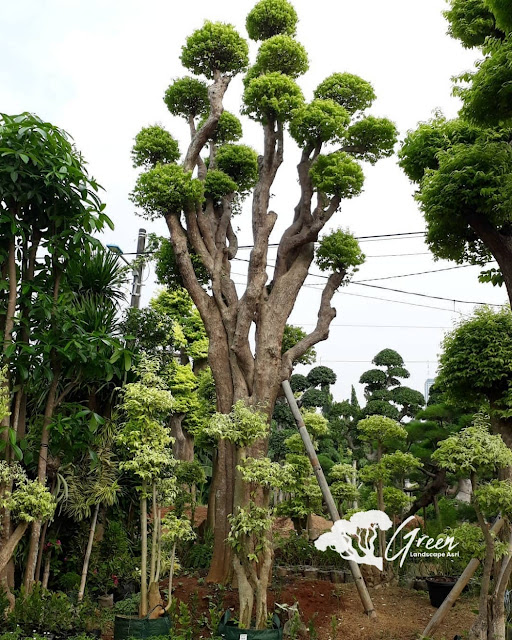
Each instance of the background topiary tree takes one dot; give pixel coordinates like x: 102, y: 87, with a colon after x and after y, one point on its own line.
x: 334, y: 134
x: 379, y: 431
x: 384, y: 392
x: 475, y: 366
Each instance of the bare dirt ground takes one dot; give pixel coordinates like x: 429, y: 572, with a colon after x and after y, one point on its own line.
x: 402, y: 613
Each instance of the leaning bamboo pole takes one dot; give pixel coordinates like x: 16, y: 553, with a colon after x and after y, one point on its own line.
x: 450, y: 599
x: 326, y: 493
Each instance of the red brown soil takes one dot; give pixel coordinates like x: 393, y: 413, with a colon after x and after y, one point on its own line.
x: 402, y: 613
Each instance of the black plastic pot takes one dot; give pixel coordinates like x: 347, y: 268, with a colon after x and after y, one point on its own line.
x: 438, y: 588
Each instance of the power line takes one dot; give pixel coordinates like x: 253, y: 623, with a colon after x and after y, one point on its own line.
x: 407, y: 362
x: 424, y: 295
x: 418, y: 273
x: 381, y: 236
x: 378, y: 326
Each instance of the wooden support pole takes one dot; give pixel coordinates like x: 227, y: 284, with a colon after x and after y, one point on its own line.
x: 450, y: 599
x: 326, y: 493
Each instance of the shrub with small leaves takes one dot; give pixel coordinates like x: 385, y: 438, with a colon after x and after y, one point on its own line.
x: 319, y: 121
x: 271, y: 97
x: 271, y: 17
x: 215, y: 47
x: 337, y: 174
x: 495, y: 497
x: 240, y: 163
x: 243, y: 426
x: 350, y: 91
x: 381, y: 429
x: 228, y: 129
x: 339, y: 252
x: 154, y: 145
x: 371, y: 139
x: 218, y: 184
x: 282, y: 54
x: 28, y: 500
x: 473, y: 450
x: 187, y: 97
x: 166, y: 189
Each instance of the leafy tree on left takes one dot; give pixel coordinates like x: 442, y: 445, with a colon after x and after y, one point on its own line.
x: 49, y: 209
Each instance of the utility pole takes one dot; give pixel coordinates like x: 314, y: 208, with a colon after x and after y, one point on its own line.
x: 326, y: 492
x: 137, y: 270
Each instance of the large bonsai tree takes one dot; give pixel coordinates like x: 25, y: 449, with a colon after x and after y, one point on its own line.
x: 200, y: 193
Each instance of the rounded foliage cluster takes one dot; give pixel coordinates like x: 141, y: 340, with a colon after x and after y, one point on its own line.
x: 154, y: 145
x: 471, y: 22
x: 271, y: 17
x: 187, y: 97
x: 272, y: 97
x: 298, y: 382
x: 477, y: 356
x: 473, y: 450
x: 282, y: 54
x: 321, y: 376
x: 166, y: 189
x: 339, y: 251
x: 350, y: 91
x: 215, y: 47
x: 240, y: 163
x: 319, y: 121
x: 388, y: 358
x: 228, y: 129
x: 380, y: 428
x: 218, y: 184
x: 371, y: 138
x: 337, y: 175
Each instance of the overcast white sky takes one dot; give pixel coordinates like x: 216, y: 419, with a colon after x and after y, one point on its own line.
x: 99, y: 69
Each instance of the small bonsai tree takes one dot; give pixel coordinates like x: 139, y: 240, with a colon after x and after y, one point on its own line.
x: 379, y: 431
x: 145, y: 442
x: 475, y: 453
x: 384, y: 392
x: 174, y: 530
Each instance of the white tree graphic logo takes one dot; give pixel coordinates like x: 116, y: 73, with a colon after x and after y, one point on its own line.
x: 362, y: 530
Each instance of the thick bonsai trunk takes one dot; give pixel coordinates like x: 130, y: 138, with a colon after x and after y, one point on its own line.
x: 220, y: 506
x: 183, y: 447
x: 262, y: 587
x: 245, y: 595
x: 87, y: 558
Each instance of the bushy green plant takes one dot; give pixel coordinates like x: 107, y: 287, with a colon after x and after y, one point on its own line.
x: 295, y: 550
x: 43, y: 611
x: 198, y: 555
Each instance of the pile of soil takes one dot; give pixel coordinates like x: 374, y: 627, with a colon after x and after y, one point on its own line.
x: 402, y: 613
